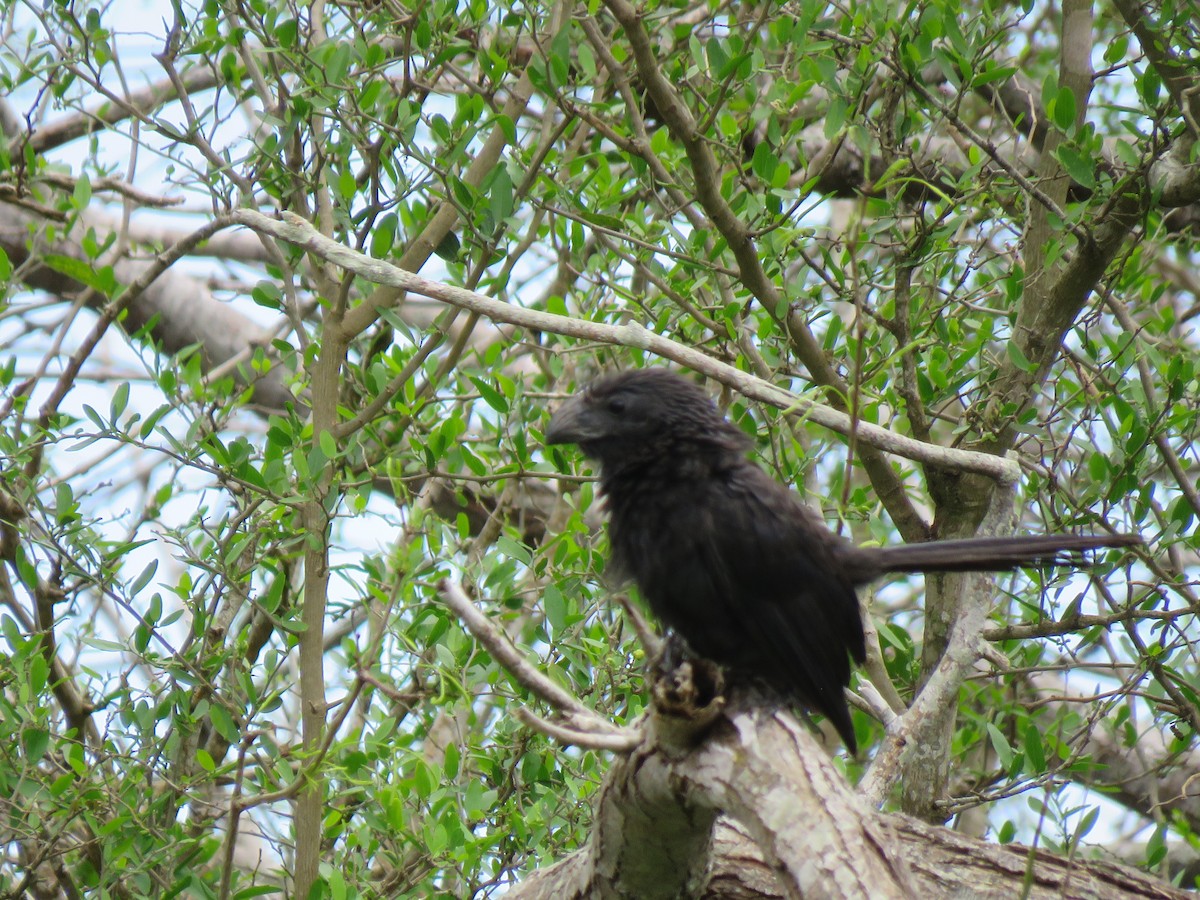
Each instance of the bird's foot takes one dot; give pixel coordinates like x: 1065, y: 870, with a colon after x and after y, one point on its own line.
x: 688, y: 693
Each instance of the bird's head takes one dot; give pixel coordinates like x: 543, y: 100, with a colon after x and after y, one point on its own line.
x: 640, y: 413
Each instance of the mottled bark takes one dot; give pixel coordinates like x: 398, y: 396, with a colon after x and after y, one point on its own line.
x: 755, y: 808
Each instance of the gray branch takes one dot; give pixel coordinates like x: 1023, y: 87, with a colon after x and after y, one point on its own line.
x: 758, y: 810
x: 296, y: 230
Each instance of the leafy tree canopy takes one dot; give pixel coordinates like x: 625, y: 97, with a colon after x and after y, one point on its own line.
x: 293, y: 597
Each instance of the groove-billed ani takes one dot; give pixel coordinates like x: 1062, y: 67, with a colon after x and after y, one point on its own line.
x: 732, y: 560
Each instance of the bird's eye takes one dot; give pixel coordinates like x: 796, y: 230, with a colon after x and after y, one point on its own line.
x: 616, y: 405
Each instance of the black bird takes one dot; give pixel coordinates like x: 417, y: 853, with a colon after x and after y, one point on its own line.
x: 733, y: 561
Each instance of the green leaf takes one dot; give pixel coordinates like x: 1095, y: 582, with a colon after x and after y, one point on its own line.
x: 560, y: 57
x: 1001, y: 746
x: 494, y: 398
x: 716, y: 55
x: 1116, y: 48
x: 81, y: 271
x: 119, y: 400
x: 835, y: 117
x: 514, y: 549
x: 101, y: 644
x: 473, y: 462
x: 1149, y: 86
x: 1063, y: 108
x: 75, y: 758
x: 267, y: 294
x: 507, y: 125
x: 224, y: 723
x: 39, y: 673
x: 35, y: 741
x: 555, y: 605
x: 152, y: 420
x: 337, y: 884
x: 383, y: 237
x: 82, y: 195
x: 338, y: 63
x: 500, y: 196
x: 143, y: 578
x: 1098, y: 467
x: 423, y: 779
x: 1086, y: 824
x: 764, y: 161
x: 938, y: 362
x: 1156, y: 847
x: 347, y: 185
x: 328, y: 445
x: 991, y: 73
x: 261, y: 890
x: 448, y: 247
x: 1082, y: 169
x: 1035, y: 753
x: 64, y: 503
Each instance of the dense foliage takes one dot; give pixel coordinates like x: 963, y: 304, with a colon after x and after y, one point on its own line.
x: 234, y: 471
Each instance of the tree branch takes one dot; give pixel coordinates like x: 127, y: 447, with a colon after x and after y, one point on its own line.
x: 296, y: 230
x: 707, y: 179
x: 917, y: 740
x: 791, y: 827
x: 579, y: 718
x: 179, y: 310
x: 1178, y: 76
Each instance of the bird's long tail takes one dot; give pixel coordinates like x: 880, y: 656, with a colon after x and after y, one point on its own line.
x: 997, y: 554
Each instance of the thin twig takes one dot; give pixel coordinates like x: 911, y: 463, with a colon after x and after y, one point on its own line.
x: 496, y: 642
x: 618, y: 743
x: 647, y: 636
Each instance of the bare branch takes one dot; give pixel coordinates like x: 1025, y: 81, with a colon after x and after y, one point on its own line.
x: 298, y: 231
x: 104, y: 115
x: 617, y: 743
x: 581, y: 719
x: 180, y: 310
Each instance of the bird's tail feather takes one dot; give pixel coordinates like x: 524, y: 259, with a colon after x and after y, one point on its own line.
x: 997, y: 554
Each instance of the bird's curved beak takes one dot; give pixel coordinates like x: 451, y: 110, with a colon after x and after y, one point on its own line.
x: 569, y: 424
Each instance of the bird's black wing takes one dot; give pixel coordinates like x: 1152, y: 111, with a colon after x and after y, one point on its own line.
x: 739, y: 567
